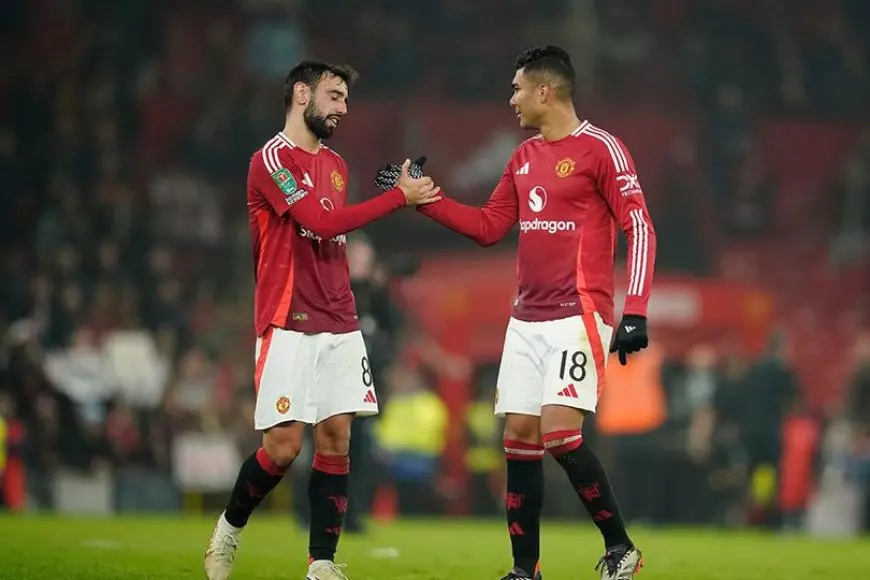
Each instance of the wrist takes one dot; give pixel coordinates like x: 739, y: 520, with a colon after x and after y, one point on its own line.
x: 398, y: 194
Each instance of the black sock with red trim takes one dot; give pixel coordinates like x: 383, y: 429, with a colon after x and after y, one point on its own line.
x: 258, y: 476
x: 590, y: 481
x: 524, y: 501
x: 327, y: 494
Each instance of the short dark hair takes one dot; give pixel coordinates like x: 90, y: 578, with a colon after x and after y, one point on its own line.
x: 311, y: 71
x: 551, y: 62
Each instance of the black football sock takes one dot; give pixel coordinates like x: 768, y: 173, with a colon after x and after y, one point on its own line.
x: 257, y: 477
x: 524, y: 501
x: 589, y: 480
x: 327, y: 494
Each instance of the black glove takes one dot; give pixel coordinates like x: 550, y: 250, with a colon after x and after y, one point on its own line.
x: 630, y: 336
x: 388, y: 175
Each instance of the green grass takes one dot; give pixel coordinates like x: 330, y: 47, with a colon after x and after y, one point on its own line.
x: 36, y: 548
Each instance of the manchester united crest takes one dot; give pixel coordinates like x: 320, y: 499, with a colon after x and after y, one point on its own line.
x: 565, y: 167
x: 282, y: 405
x: 337, y: 180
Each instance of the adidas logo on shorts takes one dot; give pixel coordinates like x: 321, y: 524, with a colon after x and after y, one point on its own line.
x: 370, y: 397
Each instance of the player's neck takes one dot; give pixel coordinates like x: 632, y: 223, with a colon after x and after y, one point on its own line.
x: 560, y: 124
x: 301, y: 135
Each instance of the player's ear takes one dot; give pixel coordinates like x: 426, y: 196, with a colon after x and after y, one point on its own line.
x: 301, y: 93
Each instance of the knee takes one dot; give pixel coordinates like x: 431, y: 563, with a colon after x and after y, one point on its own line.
x: 283, y: 444
x: 522, y: 438
x: 562, y: 429
x: 559, y: 442
x: 523, y: 428
x: 332, y: 436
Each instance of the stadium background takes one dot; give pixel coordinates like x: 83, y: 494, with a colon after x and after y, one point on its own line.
x: 126, y: 298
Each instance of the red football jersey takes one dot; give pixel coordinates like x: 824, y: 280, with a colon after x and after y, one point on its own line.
x: 568, y: 196
x: 298, y: 218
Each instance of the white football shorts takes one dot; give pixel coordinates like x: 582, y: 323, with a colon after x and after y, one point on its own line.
x: 311, y: 377
x: 554, y: 362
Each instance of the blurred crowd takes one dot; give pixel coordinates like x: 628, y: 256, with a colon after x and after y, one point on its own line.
x: 739, y: 445
x: 126, y: 296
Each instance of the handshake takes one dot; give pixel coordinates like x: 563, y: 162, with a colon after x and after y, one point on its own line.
x: 418, y: 188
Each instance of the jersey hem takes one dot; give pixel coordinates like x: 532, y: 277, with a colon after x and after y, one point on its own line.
x: 347, y: 328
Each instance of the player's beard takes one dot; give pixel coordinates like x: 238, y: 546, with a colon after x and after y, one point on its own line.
x: 316, y: 122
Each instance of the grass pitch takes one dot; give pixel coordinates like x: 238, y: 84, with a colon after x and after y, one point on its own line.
x: 43, y: 548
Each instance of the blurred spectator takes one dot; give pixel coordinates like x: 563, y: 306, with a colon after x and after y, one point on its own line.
x: 837, y: 506
x: 485, y: 446
x: 379, y: 316
x: 728, y: 462
x: 632, y: 412
x: 687, y: 440
x: 82, y: 373
x: 140, y: 369
x: 858, y: 405
x: 412, y: 432
x: 194, y: 387
x: 772, y: 388
x: 859, y: 389
x: 798, y: 465
x: 124, y: 434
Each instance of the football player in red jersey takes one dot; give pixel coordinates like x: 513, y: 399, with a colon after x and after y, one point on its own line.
x: 311, y: 362
x: 570, y: 187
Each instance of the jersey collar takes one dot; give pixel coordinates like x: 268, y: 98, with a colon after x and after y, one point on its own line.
x: 581, y: 128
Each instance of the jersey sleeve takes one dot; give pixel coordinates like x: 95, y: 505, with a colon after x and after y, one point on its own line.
x: 279, y: 181
x: 618, y: 183
x: 486, y: 225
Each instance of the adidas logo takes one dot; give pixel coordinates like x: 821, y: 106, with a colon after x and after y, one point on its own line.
x: 569, y: 391
x: 370, y: 397
x: 630, y: 329
x: 524, y: 170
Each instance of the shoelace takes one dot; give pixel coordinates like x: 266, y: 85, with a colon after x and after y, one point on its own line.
x: 228, y: 545
x: 610, y: 561
x: 336, y: 568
